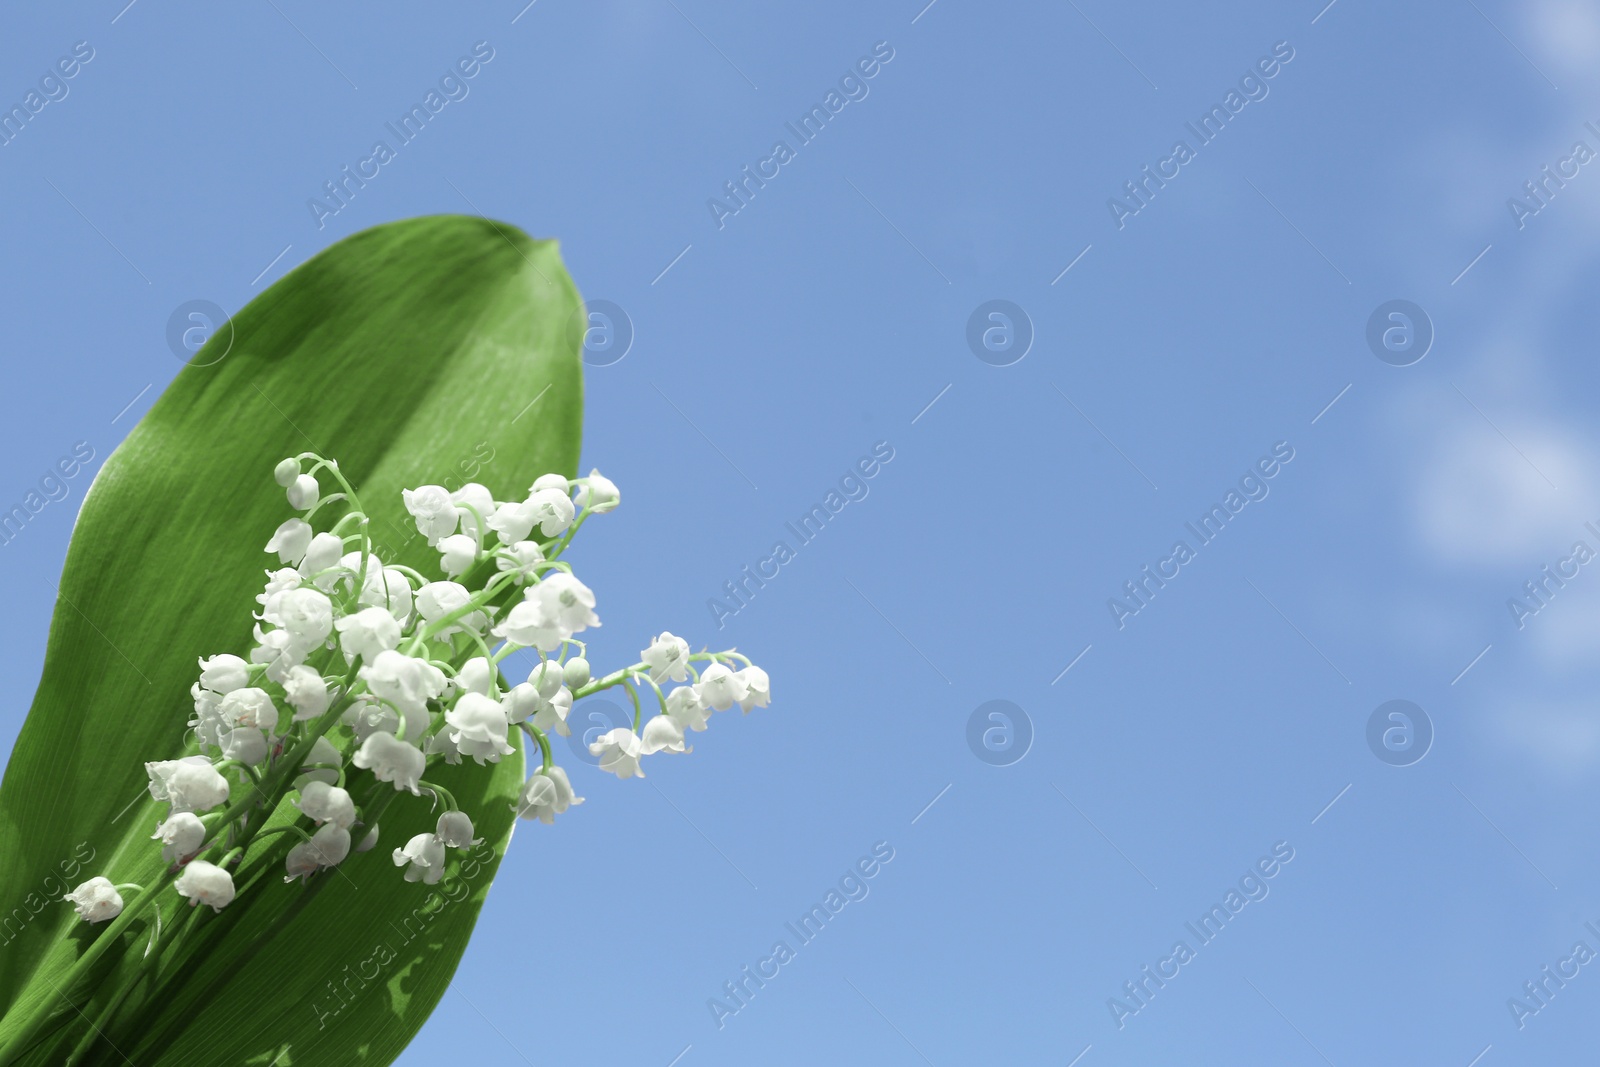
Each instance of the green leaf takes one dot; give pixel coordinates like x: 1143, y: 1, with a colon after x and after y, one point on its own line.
x: 431, y: 350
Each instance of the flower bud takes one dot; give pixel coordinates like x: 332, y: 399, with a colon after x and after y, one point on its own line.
x: 286, y: 472
x: 304, y: 492
x: 369, y: 841
x: 576, y: 672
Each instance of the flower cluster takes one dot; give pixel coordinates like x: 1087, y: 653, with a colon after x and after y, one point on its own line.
x: 363, y: 673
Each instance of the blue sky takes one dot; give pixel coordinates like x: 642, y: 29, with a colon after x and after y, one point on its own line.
x: 776, y: 346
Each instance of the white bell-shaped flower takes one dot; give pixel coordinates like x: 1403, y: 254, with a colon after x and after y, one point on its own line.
x: 523, y: 557
x: 545, y: 795
x: 552, y: 510
x: 619, y: 751
x: 291, y: 540
x: 304, y: 612
x: 191, y: 784
x: 97, y: 900
x: 367, y: 633
x: 434, y: 511
x: 278, y: 581
x: 455, y: 830
x: 441, y: 745
x: 686, y: 708
x: 323, y: 803
x: 720, y: 688
x: 250, y: 707
x: 514, y: 521
x: 470, y: 498
x: 457, y: 554
x: 551, y: 715
x: 668, y: 658
x: 207, y: 722
x: 286, y: 471
x: 245, y: 744
x: 223, y: 674
x: 405, y: 681
x: 181, y: 835
x: 476, y: 676
x: 367, y: 843
x: 598, y: 493
x: 280, y: 651
x: 366, y: 716
x: 758, y: 688
x: 478, y: 728
x: 567, y: 600
x: 307, y: 692
x: 327, y: 847
x: 437, y: 599
x: 520, y: 701
x: 423, y: 858
x: 392, y: 760
x: 662, y: 734
x: 161, y: 772
x: 322, y: 556
x: 205, y: 883
x: 389, y: 589
x: 558, y: 482
x: 304, y: 493
x: 321, y: 765
x: 527, y: 624
x: 548, y: 677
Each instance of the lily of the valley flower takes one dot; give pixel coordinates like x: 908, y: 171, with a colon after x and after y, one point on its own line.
x: 291, y: 540
x: 367, y: 633
x: 662, y: 734
x: 205, y: 883
x: 457, y: 554
x: 687, y: 709
x: 599, y: 493
x: 249, y: 707
x: 455, y: 830
x: 434, y: 511
x: 721, y: 688
x: 619, y: 751
x: 327, y: 847
x: 477, y: 726
x: 758, y: 688
x: 405, y: 681
x: 97, y: 900
x: 668, y: 658
x: 392, y: 760
x: 304, y: 492
x: 307, y: 692
x: 223, y: 674
x: 189, y: 784
x: 545, y: 795
x: 423, y: 859
x: 181, y: 835
x: 324, y: 803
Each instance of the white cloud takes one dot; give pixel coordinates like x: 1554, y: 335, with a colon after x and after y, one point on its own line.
x: 1567, y: 33
x: 1481, y: 500
x: 1564, y: 736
